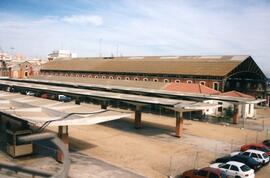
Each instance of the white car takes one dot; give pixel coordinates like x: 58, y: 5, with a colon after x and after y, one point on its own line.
x: 257, y: 155
x: 30, y: 93
x: 235, y: 169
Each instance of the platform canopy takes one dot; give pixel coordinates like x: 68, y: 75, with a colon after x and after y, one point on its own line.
x: 39, y: 111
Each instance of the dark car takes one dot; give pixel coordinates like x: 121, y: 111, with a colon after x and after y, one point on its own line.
x: 206, y: 172
x: 250, y: 162
x: 266, y: 143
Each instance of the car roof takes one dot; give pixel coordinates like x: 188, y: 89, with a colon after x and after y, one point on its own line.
x: 215, y: 170
x: 256, y: 144
x: 255, y: 151
x: 235, y: 163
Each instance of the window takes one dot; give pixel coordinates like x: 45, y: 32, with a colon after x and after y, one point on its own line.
x: 118, y: 78
x: 202, y: 173
x: 246, y: 153
x: 83, y: 75
x: 127, y: 78
x: 96, y: 76
x: 136, y: 79
x: 89, y: 76
x: 253, y: 155
x: 189, y: 81
x: 145, y: 79
x: 77, y: 75
x: 237, y: 84
x: 166, y: 81
x: 155, y: 80
x: 248, y: 85
x: 26, y: 74
x: 202, y: 82
x: 213, y: 175
x: 220, y: 108
x: 234, y: 168
x: 225, y: 166
x: 177, y: 81
x: 244, y: 168
x: 216, y: 86
x: 103, y: 77
x: 111, y: 77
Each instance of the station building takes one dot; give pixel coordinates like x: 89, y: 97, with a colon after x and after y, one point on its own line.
x: 222, y: 73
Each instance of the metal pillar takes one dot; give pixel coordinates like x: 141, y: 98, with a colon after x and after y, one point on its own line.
x: 236, y: 114
x: 63, y: 135
x: 104, y: 104
x: 138, y: 117
x: 77, y: 101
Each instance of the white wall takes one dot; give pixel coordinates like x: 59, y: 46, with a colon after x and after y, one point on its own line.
x: 245, y: 110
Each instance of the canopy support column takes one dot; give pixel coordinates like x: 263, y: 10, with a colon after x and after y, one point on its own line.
x: 63, y: 135
x: 179, y: 124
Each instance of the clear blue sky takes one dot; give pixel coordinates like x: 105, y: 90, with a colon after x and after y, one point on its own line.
x: 141, y: 27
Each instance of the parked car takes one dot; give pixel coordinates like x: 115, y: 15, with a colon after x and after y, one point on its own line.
x: 250, y: 162
x: 206, y: 172
x: 257, y: 155
x: 266, y: 143
x: 235, y: 169
x: 64, y: 98
x: 30, y: 93
x: 254, y: 146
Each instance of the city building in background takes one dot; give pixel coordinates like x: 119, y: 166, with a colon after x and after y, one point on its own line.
x: 61, y: 54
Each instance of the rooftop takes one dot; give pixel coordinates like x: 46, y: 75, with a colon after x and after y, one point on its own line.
x: 179, y: 65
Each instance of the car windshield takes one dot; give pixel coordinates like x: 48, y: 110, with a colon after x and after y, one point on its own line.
x: 265, y: 155
x: 245, y: 168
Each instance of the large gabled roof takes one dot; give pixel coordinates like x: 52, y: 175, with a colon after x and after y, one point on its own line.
x: 171, y: 65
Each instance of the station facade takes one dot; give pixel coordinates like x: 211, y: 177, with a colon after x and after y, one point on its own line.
x: 223, y: 73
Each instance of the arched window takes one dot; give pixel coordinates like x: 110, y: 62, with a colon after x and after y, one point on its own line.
x: 111, y: 77
x: 136, y: 78
x: 189, y: 81
x: 155, y: 80
x: 145, y: 79
x: 127, y: 78
x: 96, y: 76
x: 103, y: 77
x: 89, y: 76
x: 118, y: 78
x: 215, y: 85
x: 177, y: 81
x: 202, y: 82
x: 166, y: 80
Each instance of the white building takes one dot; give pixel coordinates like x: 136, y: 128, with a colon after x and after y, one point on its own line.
x: 245, y: 110
x: 5, y: 57
x: 61, y: 54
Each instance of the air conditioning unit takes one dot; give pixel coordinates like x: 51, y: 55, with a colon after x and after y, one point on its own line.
x: 16, y: 148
